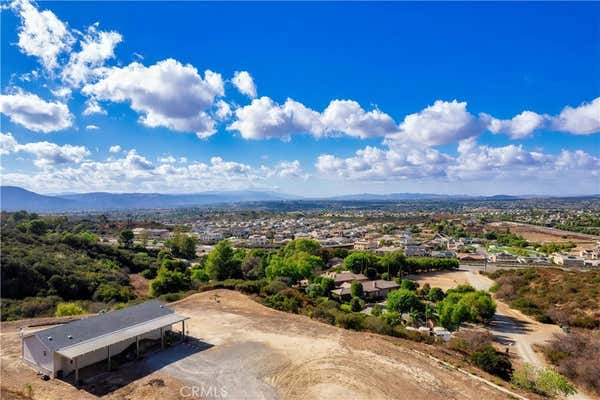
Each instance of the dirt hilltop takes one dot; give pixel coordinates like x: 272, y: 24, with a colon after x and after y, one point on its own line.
x: 243, y: 350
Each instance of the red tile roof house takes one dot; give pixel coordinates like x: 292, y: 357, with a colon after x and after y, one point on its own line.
x: 373, y: 289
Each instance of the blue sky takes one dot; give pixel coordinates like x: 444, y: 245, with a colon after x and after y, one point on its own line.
x: 479, y: 98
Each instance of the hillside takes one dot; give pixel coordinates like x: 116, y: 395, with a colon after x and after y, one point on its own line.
x: 252, y: 352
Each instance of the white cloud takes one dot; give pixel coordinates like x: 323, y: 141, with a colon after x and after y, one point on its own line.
x: 41, y: 34
x: 115, y: 149
x: 7, y: 143
x: 34, y: 113
x: 513, y: 162
x: 167, y: 160
x: 581, y: 120
x: 62, y: 92
x: 223, y: 110
x: 96, y: 48
x: 47, y: 154
x: 399, y: 163
x: 134, y: 172
x: 92, y: 127
x: 348, y: 117
x: 519, y: 127
x: 244, y: 82
x: 263, y: 119
x: 285, y: 169
x: 167, y: 94
x: 93, y: 107
x: 442, y: 122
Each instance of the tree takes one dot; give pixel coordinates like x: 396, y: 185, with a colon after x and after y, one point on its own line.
x: 409, y: 285
x: 183, y: 246
x: 393, y: 263
x: 356, y: 304
x: 302, y: 245
x: 356, y: 289
x: 327, y: 284
x: 436, y: 294
x: 126, y: 238
x: 359, y: 262
x: 221, y: 263
x: 295, y: 267
x: 37, y: 227
x: 169, y: 282
x: 403, y: 300
x: 489, y: 360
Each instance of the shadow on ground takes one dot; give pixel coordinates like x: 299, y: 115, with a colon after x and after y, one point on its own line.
x: 96, y: 380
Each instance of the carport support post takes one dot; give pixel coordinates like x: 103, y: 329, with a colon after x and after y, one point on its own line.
x: 76, y: 372
x: 137, y: 347
x: 162, y: 338
x: 108, y: 349
x: 183, y: 331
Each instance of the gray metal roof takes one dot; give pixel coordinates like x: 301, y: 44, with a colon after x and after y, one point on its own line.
x: 82, y: 330
x: 120, y: 335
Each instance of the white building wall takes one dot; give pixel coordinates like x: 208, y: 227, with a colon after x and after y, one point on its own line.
x: 37, y: 354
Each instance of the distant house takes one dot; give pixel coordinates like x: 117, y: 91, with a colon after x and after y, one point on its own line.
x: 340, y: 278
x: 569, y: 261
x: 372, y: 289
x: 365, y: 244
x: 63, y: 349
x: 503, y: 258
x: 416, y: 251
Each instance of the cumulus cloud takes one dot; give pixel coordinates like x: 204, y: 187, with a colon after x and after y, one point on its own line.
x: 442, y: 122
x: 46, y: 154
x: 93, y: 107
x: 373, y: 163
x: 581, y: 120
x: 7, y: 143
x: 244, y: 82
x: 264, y: 118
x: 519, y: 127
x: 134, y: 172
x: 513, y: 161
x: 167, y: 94
x: 223, y: 110
x: 96, y: 48
x: 34, y: 113
x: 115, y: 149
x: 285, y: 169
x: 92, y: 127
x: 41, y: 34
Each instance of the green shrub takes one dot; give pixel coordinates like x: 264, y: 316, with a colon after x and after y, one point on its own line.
x: 356, y: 304
x: 199, y: 274
x: 251, y: 287
x: 376, y: 325
x: 66, y: 309
x: 489, y: 360
x: 323, y: 314
x: 377, y: 310
x: 148, y: 273
x: 545, y: 381
x: 352, y: 321
x: 274, y: 287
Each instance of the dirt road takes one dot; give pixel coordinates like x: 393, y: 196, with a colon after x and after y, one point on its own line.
x: 509, y: 327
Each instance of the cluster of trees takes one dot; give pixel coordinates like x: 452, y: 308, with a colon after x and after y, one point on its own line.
x: 464, y: 304
x: 52, y: 259
x: 395, y: 264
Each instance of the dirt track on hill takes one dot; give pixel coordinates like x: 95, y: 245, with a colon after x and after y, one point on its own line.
x: 246, y: 351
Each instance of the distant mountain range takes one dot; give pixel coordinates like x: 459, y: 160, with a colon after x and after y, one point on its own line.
x: 13, y: 198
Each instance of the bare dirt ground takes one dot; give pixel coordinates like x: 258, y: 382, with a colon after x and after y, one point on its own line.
x: 141, y: 285
x: 242, y: 350
x: 443, y: 279
x: 534, y: 233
